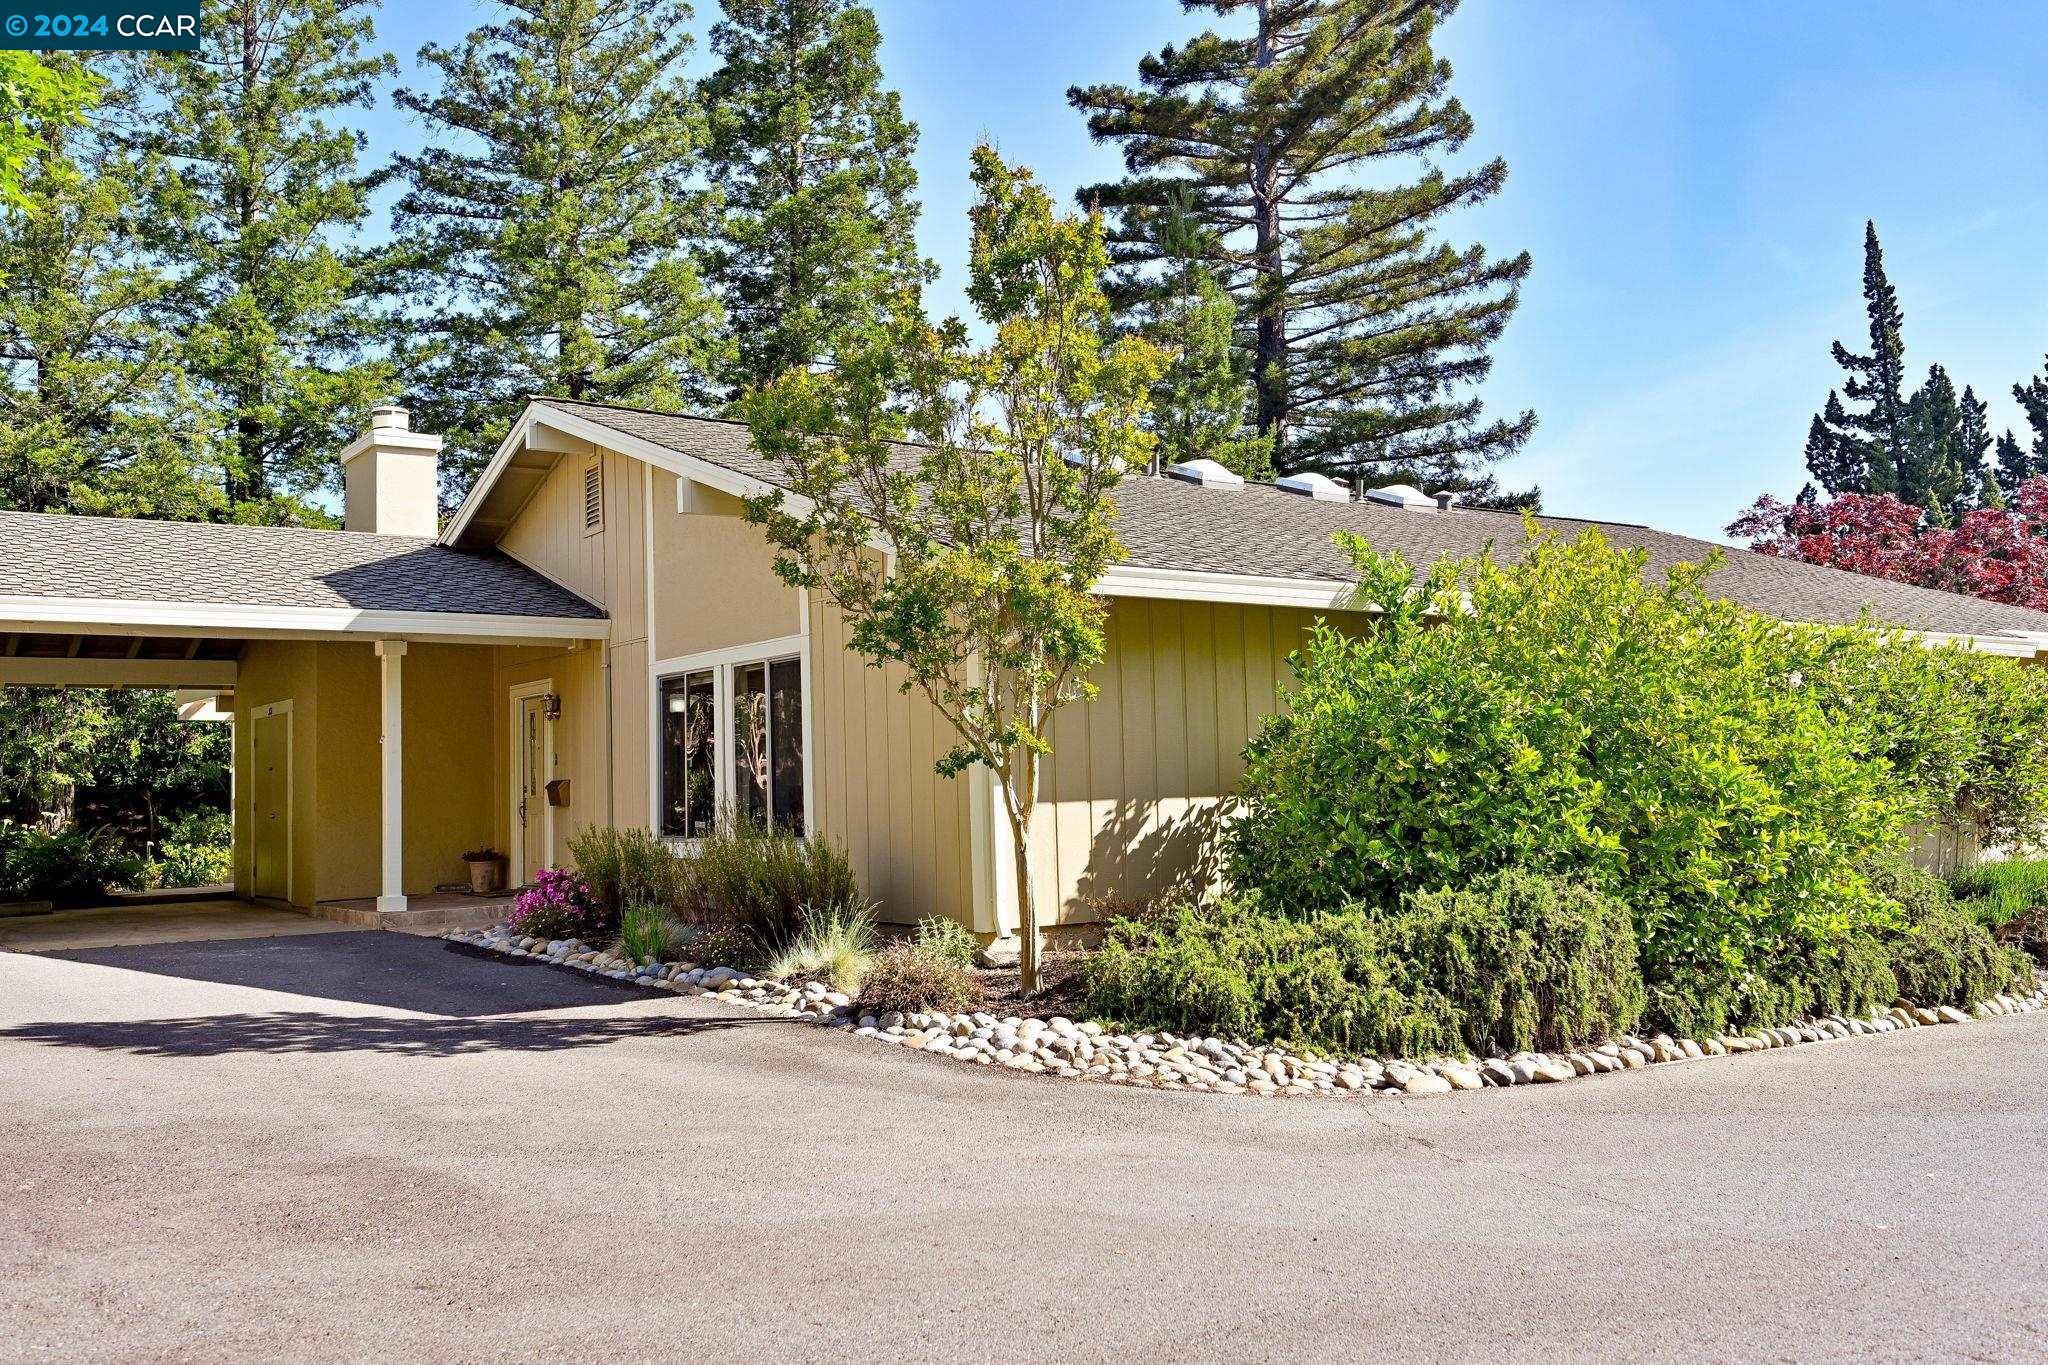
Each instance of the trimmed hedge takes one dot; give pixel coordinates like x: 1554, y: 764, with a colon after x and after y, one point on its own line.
x: 1514, y: 961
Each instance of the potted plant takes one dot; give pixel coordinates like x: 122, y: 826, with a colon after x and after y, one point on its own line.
x: 486, y: 871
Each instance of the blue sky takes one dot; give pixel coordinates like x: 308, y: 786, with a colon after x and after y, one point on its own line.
x: 1691, y: 179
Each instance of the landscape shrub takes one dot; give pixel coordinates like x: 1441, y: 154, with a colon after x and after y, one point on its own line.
x: 67, y: 865
x: 2010, y: 898
x: 197, y: 850
x: 1940, y: 953
x: 946, y: 938
x: 559, y: 905
x: 1723, y: 773
x: 1233, y: 969
x: 644, y: 934
x: 725, y: 945
x: 908, y: 979
x: 1525, y: 961
x: 835, y: 943
x: 763, y: 882
x: 627, y: 866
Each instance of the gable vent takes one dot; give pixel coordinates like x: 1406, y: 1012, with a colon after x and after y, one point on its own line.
x: 593, y: 497
x: 1207, y: 473
x: 1321, y: 487
x: 1402, y: 495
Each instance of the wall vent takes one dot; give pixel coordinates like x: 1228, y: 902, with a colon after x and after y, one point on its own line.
x: 593, y: 497
x: 1207, y: 473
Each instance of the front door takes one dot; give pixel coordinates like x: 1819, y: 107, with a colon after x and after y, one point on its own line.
x: 532, y: 834
x: 271, y: 804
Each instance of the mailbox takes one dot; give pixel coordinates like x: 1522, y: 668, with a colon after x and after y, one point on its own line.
x: 558, y: 792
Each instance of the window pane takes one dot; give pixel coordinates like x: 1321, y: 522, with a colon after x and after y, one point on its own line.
x: 689, y: 766
x: 786, y: 737
x: 750, y: 748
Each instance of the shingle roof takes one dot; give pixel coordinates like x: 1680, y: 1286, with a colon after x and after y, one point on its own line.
x: 110, y: 558
x: 1258, y: 529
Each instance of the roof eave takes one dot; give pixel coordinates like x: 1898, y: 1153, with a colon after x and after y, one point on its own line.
x: 245, y: 621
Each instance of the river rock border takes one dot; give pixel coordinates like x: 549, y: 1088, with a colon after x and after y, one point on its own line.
x: 1164, y: 1061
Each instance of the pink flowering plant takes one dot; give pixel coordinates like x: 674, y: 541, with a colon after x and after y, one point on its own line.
x: 559, y: 904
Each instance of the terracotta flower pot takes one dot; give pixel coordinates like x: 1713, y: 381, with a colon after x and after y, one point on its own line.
x: 486, y: 875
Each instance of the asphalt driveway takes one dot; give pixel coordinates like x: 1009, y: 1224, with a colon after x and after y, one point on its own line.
x: 201, y: 1161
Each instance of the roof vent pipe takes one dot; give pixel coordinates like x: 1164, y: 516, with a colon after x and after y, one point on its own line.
x: 1444, y: 499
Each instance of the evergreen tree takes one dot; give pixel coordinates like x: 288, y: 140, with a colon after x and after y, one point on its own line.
x: 549, y: 229
x: 1976, y: 440
x: 253, y: 219
x: 92, y: 410
x: 36, y: 93
x: 2015, y: 465
x: 2020, y: 464
x: 812, y: 156
x: 1934, y: 468
x: 1201, y: 401
x: 1865, y: 446
x: 1366, y: 333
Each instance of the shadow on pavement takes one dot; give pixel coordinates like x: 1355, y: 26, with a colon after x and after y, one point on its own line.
x: 397, y: 971
x: 216, y: 1034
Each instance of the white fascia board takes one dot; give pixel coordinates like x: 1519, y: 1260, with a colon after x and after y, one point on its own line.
x: 121, y: 616
x: 659, y: 456
x: 1187, y: 585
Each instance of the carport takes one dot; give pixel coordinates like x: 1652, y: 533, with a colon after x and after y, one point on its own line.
x: 329, y: 650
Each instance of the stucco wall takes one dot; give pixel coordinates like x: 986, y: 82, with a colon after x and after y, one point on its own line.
x: 274, y: 671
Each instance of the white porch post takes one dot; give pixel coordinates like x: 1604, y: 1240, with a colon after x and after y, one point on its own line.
x: 391, y: 890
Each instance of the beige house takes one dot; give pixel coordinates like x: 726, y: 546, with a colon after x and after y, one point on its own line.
x: 598, y: 637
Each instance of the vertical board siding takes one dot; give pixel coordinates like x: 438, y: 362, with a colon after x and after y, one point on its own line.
x: 904, y: 827
x: 1133, y: 794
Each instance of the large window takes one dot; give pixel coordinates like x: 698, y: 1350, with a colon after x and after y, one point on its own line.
x: 732, y: 742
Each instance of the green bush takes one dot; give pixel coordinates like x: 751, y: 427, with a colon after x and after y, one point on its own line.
x: 68, y: 865
x: 946, y: 938
x: 908, y: 979
x: 644, y: 934
x: 725, y: 945
x: 2000, y: 891
x: 1939, y: 951
x: 763, y: 882
x: 836, y: 943
x: 1525, y: 962
x: 197, y: 850
x: 1723, y: 773
x: 625, y: 867
x: 1235, y: 970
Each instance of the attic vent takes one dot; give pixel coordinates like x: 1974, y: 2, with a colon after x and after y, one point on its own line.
x: 1207, y: 473
x: 593, y: 497
x: 1321, y: 487
x: 1402, y: 495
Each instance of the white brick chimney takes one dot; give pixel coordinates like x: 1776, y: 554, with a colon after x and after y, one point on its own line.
x: 391, y: 478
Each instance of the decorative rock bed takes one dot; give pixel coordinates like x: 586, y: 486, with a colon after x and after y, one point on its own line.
x: 1062, y: 1047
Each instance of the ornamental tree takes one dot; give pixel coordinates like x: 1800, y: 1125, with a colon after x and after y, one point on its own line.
x: 1997, y: 553
x: 970, y: 559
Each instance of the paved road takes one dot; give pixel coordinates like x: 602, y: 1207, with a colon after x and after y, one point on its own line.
x: 198, y: 1168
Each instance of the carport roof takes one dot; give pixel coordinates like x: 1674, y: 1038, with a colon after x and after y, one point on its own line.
x: 197, y: 574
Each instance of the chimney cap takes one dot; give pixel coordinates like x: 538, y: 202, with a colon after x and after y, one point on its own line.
x: 390, y: 417
x: 1445, y: 499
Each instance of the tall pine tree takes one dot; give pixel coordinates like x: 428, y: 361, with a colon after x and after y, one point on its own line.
x: 548, y: 229
x: 1935, y: 468
x: 1288, y: 138
x: 813, y: 157
x: 255, y: 218
x: 94, y: 416
x: 1202, y: 401
x: 1863, y: 447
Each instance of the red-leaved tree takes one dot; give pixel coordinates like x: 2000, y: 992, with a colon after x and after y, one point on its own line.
x: 1999, y: 553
